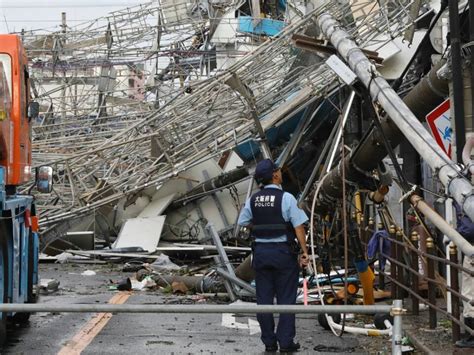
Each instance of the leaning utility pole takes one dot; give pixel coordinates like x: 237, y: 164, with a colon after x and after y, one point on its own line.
x: 380, y: 91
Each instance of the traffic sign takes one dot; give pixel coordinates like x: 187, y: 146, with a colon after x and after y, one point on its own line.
x: 439, y: 121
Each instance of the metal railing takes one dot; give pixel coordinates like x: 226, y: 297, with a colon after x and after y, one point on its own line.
x: 405, y: 277
x: 396, y: 310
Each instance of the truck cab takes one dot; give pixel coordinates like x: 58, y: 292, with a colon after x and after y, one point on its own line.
x: 19, y: 240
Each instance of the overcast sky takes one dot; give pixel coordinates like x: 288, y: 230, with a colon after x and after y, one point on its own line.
x: 36, y: 14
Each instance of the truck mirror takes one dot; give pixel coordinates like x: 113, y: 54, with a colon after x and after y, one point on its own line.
x: 33, y: 110
x: 44, y: 179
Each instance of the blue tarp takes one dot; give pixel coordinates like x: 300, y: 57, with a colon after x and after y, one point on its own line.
x: 250, y: 149
x: 264, y: 27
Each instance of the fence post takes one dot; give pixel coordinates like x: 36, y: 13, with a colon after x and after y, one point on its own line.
x: 393, y: 266
x: 381, y: 271
x: 400, y: 270
x: 397, y: 312
x: 453, y: 256
x: 431, y: 285
x: 415, y: 302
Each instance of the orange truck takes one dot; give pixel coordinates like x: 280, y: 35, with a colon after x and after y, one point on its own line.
x: 19, y: 240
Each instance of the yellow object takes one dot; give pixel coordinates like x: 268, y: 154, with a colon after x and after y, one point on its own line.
x: 367, y: 281
x: 352, y: 289
x: 373, y: 333
x: 358, y: 206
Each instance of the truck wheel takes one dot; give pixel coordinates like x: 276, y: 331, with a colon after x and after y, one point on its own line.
x: 3, y: 293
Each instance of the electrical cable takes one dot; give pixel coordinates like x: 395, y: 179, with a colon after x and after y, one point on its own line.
x: 313, y: 255
x: 404, y: 183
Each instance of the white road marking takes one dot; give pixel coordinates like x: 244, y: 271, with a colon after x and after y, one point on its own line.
x: 229, y: 321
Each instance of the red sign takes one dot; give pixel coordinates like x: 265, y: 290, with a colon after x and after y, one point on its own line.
x: 439, y: 121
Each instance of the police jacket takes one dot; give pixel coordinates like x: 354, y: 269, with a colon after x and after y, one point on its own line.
x: 273, y: 214
x: 267, y: 218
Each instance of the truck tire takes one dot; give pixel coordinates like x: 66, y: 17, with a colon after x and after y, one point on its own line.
x: 32, y: 296
x: 3, y: 292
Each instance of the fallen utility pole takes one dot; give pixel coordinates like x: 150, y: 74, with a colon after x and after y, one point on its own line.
x: 370, y: 152
x: 380, y: 91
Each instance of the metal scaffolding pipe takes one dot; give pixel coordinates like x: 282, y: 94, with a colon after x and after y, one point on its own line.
x: 210, y: 186
x: 202, y: 308
x: 234, y: 279
x: 442, y: 225
x: 397, y: 327
x: 448, y: 173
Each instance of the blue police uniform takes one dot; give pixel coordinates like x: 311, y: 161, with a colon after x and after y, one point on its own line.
x: 273, y: 214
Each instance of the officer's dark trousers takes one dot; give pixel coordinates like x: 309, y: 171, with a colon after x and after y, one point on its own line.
x: 276, y: 268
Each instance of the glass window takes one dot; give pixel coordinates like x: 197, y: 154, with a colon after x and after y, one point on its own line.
x: 5, y: 92
x: 7, y: 70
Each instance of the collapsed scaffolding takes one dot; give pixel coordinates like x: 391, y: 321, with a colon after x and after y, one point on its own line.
x: 109, y: 147
x: 101, y: 159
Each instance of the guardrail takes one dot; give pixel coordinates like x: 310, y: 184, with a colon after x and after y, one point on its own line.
x: 396, y: 310
x: 406, y: 276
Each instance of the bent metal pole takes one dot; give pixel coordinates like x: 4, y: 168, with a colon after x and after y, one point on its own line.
x: 448, y: 173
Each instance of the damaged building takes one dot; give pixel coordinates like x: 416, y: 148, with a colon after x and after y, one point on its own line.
x: 154, y: 118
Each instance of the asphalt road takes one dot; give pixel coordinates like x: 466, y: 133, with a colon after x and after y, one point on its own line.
x: 49, y: 333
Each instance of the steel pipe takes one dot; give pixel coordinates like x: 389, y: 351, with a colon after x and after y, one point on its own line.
x: 448, y: 173
x: 235, y: 280
x: 466, y: 153
x: 442, y: 225
x: 202, y: 308
x: 397, y: 327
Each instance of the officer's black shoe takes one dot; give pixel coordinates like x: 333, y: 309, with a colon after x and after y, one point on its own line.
x: 294, y: 347
x: 468, y: 341
x: 271, y: 348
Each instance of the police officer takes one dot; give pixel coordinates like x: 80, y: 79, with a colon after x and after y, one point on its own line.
x: 275, y: 221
